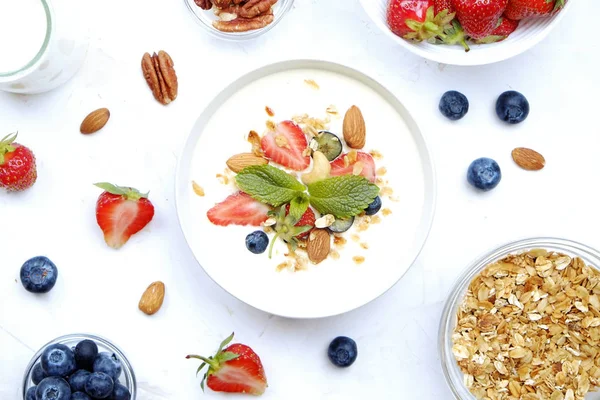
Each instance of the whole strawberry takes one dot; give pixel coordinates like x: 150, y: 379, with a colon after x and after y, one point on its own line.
x: 416, y: 19
x: 505, y: 27
x: 122, y: 212
x: 235, y: 369
x: 479, y: 18
x: 17, y: 165
x: 519, y: 9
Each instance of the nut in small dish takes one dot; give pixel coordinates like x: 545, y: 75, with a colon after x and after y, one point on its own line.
x: 160, y: 75
x: 240, y: 15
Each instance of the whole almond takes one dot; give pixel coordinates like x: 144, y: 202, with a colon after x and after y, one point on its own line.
x: 318, y: 246
x: 153, y: 297
x: 354, y: 128
x: 243, y: 160
x: 95, y: 121
x: 528, y: 159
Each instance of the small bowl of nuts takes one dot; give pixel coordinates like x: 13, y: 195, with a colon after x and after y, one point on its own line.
x: 523, y: 322
x: 238, y: 19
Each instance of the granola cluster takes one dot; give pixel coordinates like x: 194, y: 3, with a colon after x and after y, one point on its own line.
x: 529, y: 329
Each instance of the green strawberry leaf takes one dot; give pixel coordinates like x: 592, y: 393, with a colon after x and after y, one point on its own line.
x: 268, y: 184
x: 298, y: 207
x: 227, y: 356
x: 342, y: 196
x: 130, y: 193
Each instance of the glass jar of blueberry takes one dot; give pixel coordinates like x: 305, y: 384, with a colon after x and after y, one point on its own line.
x: 79, y: 367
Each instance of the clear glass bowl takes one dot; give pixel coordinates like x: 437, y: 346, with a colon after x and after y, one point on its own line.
x: 452, y: 372
x: 206, y: 17
x: 127, y: 378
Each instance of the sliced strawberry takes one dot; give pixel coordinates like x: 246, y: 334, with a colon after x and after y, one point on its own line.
x: 286, y: 145
x: 344, y: 165
x: 235, y: 369
x: 122, y: 212
x: 238, y: 209
x: 308, y: 219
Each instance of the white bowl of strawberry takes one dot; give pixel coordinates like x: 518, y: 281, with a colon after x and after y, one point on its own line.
x: 467, y: 32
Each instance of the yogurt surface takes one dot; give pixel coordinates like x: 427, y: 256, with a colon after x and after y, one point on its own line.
x: 23, y: 26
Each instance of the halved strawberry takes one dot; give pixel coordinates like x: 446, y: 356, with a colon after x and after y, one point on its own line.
x: 122, y: 212
x: 238, y: 209
x: 286, y: 145
x: 344, y: 165
x: 235, y: 369
x: 308, y: 219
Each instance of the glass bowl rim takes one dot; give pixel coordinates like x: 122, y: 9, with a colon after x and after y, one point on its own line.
x: 127, y: 368
x: 570, y: 247
x: 240, y: 36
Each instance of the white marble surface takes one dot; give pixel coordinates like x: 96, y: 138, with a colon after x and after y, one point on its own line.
x: 98, y: 288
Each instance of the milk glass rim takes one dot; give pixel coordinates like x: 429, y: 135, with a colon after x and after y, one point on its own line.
x: 16, y: 74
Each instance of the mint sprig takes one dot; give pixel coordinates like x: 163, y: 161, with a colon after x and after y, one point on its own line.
x: 268, y: 184
x: 342, y: 196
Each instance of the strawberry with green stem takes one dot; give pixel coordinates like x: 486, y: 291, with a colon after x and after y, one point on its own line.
x: 417, y: 20
x: 519, y: 9
x: 233, y: 369
x: 122, y: 212
x: 479, y: 18
x: 17, y: 165
x: 293, y: 222
x: 505, y: 27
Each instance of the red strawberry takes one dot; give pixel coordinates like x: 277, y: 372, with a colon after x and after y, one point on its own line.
x: 441, y: 5
x: 341, y: 167
x: 519, y: 9
x: 122, y: 212
x: 416, y: 19
x: 308, y: 219
x: 505, y: 27
x: 286, y: 146
x: 17, y: 165
x: 479, y: 18
x: 235, y: 369
x: 238, y: 209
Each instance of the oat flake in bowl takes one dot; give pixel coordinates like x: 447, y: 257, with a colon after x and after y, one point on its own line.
x: 524, y: 323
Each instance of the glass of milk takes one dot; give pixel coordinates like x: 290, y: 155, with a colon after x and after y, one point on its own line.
x: 43, y: 43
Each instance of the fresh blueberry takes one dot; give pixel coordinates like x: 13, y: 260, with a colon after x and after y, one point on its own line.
x: 38, y: 275
x: 78, y: 380
x: 58, y: 360
x: 512, y: 107
x: 109, y: 364
x: 53, y: 388
x: 80, y: 396
x: 38, y: 374
x: 374, y: 207
x: 85, y: 354
x: 454, y: 105
x: 30, y: 395
x: 257, y: 242
x: 120, y: 392
x: 484, y: 173
x: 99, y: 385
x: 342, y: 351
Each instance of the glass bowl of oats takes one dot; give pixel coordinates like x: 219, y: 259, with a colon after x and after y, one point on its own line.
x: 523, y: 322
x: 238, y: 19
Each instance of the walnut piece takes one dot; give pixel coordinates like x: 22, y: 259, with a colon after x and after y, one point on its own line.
x: 221, y: 3
x: 244, y: 24
x: 160, y: 76
x: 204, y: 4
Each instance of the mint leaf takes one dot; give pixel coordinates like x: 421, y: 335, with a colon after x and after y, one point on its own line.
x: 268, y: 184
x: 342, y: 196
x: 298, y: 207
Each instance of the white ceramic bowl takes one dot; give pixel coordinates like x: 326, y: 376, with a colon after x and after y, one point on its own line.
x: 530, y: 32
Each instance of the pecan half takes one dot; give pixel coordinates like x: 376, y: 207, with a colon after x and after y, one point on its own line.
x: 204, y: 4
x: 255, y: 8
x: 244, y: 24
x: 221, y: 3
x: 160, y: 76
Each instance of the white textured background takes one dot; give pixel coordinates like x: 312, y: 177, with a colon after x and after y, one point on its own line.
x: 98, y: 289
